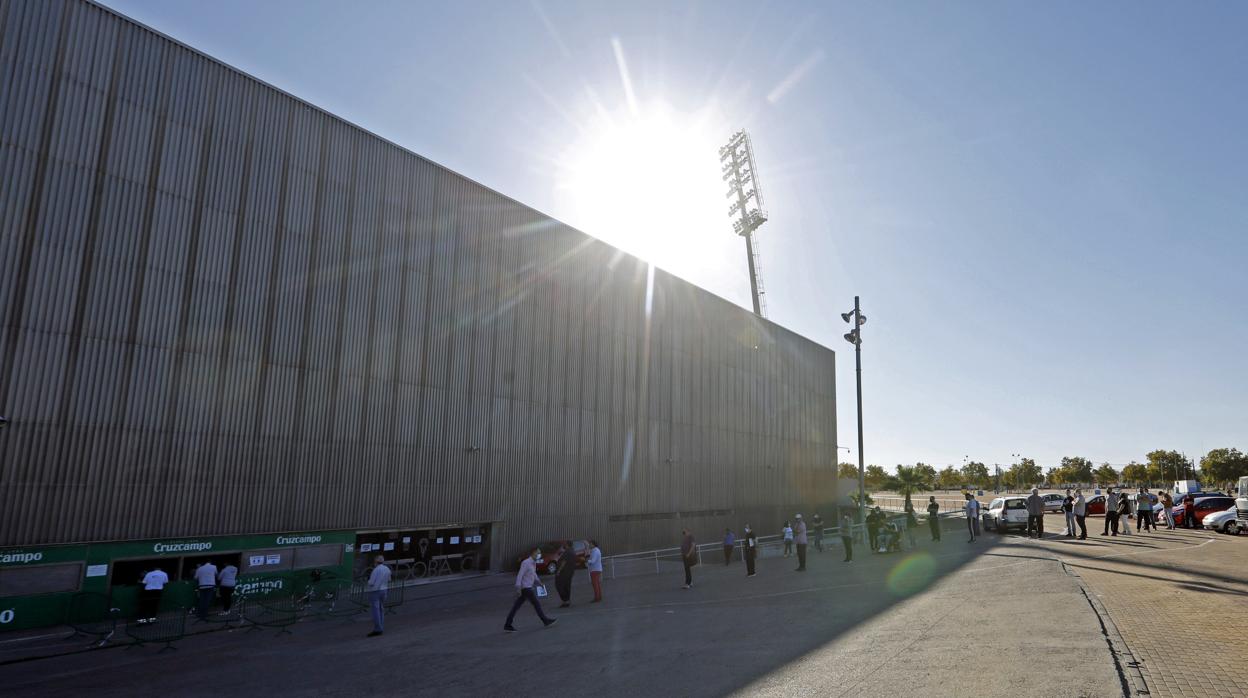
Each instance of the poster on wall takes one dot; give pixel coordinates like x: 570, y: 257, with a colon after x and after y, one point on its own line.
x: 273, y: 559
x: 388, y: 546
x: 255, y: 560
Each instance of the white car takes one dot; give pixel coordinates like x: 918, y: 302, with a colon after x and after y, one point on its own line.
x: 1053, y: 502
x: 1004, y: 513
x: 1224, y: 521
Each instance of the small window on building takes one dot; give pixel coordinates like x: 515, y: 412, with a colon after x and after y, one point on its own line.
x: 40, y: 579
x: 311, y: 556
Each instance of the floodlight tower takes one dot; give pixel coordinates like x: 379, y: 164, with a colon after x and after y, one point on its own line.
x: 741, y: 174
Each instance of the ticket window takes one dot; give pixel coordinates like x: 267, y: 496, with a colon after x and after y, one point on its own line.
x: 192, y: 563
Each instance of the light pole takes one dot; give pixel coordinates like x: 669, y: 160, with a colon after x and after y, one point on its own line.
x: 854, y: 337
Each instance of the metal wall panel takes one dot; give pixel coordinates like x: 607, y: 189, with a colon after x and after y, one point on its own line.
x: 227, y: 311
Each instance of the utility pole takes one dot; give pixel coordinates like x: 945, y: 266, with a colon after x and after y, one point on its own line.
x: 854, y: 337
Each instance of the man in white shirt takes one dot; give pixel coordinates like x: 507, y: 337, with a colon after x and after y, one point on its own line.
x: 972, y: 515
x: 149, y: 601
x: 378, y: 583
x: 227, y: 578
x: 206, y: 588
x: 1080, y: 508
x: 594, y: 565
x: 526, y: 579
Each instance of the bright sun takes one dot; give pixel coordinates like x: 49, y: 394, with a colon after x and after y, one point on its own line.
x: 648, y: 182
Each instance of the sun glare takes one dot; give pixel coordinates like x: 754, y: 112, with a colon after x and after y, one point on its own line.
x: 648, y: 182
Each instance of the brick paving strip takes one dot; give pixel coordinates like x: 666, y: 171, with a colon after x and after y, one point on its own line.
x: 1178, y: 600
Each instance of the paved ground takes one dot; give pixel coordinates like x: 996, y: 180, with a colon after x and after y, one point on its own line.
x: 923, y: 622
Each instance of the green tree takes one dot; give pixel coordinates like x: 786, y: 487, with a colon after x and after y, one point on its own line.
x: 1223, y: 465
x: 1026, y: 473
x: 1135, y: 474
x: 949, y: 479
x: 928, y: 473
x: 976, y: 473
x: 876, y: 477
x: 1106, y: 475
x: 908, y: 481
x: 847, y: 471
x: 1172, y: 465
x: 1076, y: 469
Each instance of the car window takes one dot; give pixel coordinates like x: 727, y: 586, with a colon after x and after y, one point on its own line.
x: 995, y: 503
x: 1214, y: 503
x: 1015, y: 504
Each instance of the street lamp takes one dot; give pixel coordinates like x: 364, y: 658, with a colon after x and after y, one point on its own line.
x: 854, y: 337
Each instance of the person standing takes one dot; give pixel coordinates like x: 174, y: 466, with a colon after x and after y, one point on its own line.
x: 816, y: 524
x: 378, y: 586
x: 730, y: 542
x: 749, y: 550
x: 800, y: 538
x: 688, y: 556
x: 565, y: 569
x: 526, y: 580
x: 1167, y: 508
x: 933, y: 517
x: 912, y: 522
x: 153, y: 587
x: 972, y: 515
x: 788, y: 539
x: 1144, y: 511
x: 206, y: 588
x: 1080, y: 508
x: 1124, y: 514
x: 1189, y: 511
x: 1068, y: 509
x: 227, y: 578
x: 1035, y: 513
x: 594, y: 565
x: 874, y: 520
x: 847, y: 536
x: 1111, y: 512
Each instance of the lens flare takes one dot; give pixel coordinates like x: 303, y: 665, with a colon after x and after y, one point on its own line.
x: 912, y: 574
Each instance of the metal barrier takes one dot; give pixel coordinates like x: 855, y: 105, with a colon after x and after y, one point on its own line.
x: 394, y: 596
x: 167, y: 627
x: 280, y: 613
x: 91, y: 613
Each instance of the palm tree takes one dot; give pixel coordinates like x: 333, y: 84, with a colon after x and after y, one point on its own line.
x: 908, y: 480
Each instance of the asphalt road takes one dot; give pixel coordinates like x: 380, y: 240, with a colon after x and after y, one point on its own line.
x: 933, y: 621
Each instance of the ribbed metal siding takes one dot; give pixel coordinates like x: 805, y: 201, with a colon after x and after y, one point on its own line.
x: 225, y: 310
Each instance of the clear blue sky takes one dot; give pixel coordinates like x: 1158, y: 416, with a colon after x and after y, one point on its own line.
x: 1043, y: 205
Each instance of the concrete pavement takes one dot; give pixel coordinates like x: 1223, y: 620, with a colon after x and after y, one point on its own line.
x: 932, y: 621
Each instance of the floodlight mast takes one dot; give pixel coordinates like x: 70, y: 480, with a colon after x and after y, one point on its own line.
x: 740, y: 171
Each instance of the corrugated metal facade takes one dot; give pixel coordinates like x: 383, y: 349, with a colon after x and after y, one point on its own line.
x: 227, y: 311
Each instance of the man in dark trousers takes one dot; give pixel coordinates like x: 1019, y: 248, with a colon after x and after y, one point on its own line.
x: 688, y: 556
x: 730, y: 542
x: 1189, y: 511
x: 799, y: 536
x: 874, y: 520
x: 565, y: 570
x: 526, y: 580
x: 933, y: 517
x: 816, y: 527
x: 847, y: 537
x: 1111, y: 511
x: 750, y: 550
x: 1035, y: 513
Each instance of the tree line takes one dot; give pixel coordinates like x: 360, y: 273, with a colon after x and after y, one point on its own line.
x: 1220, y: 467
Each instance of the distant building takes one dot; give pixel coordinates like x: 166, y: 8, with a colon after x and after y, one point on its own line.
x: 238, y: 327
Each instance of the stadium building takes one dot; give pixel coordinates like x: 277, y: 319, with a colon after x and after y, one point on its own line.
x: 238, y: 327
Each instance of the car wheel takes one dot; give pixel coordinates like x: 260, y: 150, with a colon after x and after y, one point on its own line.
x: 552, y: 568
x: 1231, y: 527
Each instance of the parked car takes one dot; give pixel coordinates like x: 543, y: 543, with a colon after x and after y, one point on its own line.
x: 1222, y: 521
x: 1204, y: 506
x: 1006, y: 512
x: 548, y: 560
x: 1096, y: 505
x: 1053, y: 502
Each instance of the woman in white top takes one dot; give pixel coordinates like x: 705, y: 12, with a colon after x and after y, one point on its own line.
x: 788, y: 539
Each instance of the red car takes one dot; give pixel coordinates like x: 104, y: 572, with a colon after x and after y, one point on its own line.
x: 548, y: 561
x: 1204, y: 505
x: 1096, y: 505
